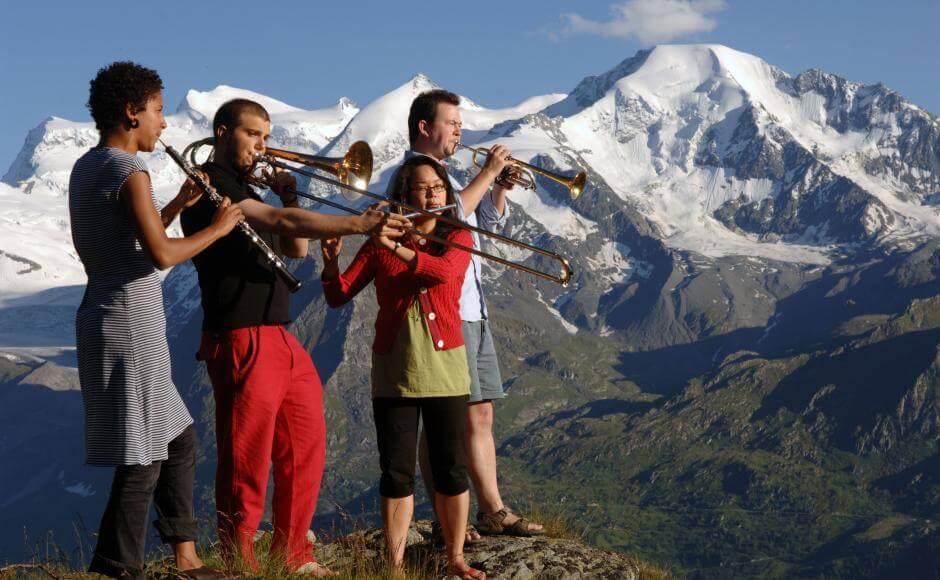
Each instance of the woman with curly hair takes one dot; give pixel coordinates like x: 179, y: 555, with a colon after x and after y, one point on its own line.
x: 419, y: 362
x: 135, y: 419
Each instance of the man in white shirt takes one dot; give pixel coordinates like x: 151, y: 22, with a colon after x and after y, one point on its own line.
x: 434, y: 129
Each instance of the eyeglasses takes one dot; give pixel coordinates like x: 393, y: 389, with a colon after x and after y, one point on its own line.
x: 429, y: 189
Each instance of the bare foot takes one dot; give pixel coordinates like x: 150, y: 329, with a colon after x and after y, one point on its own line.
x: 315, y: 569
x: 460, y: 569
x: 472, y: 535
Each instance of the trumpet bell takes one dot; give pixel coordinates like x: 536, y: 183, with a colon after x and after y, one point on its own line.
x: 577, y: 184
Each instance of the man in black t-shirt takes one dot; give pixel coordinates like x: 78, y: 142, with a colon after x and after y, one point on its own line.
x: 268, y: 397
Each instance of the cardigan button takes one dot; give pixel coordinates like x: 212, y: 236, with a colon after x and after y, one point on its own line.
x: 440, y: 344
x: 432, y: 316
x: 422, y: 241
x: 423, y: 290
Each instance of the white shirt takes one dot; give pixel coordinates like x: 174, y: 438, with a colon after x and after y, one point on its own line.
x: 486, y: 216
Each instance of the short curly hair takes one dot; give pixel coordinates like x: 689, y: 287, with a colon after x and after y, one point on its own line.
x: 115, y: 86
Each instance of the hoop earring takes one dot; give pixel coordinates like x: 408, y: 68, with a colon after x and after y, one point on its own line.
x: 135, y: 123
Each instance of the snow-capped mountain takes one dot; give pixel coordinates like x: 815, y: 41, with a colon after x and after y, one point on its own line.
x: 730, y: 206
x: 720, y: 151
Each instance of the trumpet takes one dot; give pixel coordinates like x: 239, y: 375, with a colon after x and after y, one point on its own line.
x: 574, y: 185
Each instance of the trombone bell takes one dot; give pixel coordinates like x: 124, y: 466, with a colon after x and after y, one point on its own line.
x: 354, y: 168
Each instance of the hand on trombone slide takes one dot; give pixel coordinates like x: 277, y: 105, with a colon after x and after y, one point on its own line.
x: 281, y: 182
x: 378, y: 221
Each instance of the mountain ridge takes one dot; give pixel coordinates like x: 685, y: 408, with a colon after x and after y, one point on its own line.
x: 732, y: 256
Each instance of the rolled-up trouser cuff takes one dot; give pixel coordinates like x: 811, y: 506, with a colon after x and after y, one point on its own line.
x: 176, y: 530
x: 113, y: 568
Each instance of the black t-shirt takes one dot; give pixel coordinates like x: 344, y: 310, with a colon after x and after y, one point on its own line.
x: 239, y: 287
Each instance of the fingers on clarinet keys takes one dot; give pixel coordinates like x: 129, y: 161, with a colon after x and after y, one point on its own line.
x: 227, y: 216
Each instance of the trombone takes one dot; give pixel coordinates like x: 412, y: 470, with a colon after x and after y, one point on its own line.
x: 354, y: 168
x: 574, y: 185
x: 351, y: 179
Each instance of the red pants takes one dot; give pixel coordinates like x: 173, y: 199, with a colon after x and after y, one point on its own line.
x: 268, y: 408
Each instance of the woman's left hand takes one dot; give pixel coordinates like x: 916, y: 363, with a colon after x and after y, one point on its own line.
x: 384, y: 242
x: 330, y: 248
x: 189, y: 192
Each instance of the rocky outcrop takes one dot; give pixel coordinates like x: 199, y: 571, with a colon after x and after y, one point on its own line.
x: 501, y: 557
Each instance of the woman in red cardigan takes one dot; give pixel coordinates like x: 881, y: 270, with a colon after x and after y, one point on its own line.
x: 419, y: 365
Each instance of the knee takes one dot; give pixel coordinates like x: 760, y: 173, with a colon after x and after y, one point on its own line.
x: 396, y: 483
x: 451, y: 478
x: 480, y: 417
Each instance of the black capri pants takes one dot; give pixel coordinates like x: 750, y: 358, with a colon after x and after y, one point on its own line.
x: 445, y: 424
x: 123, y: 530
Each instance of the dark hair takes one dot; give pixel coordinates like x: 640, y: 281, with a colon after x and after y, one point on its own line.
x: 229, y: 114
x: 402, y: 185
x: 115, y: 86
x: 424, y: 108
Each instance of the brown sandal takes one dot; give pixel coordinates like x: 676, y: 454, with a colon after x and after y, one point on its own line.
x: 492, y: 524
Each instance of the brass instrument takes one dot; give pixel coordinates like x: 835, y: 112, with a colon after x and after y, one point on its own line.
x: 262, y: 174
x: 354, y: 168
x: 563, y: 278
x: 575, y: 185
x: 293, y: 284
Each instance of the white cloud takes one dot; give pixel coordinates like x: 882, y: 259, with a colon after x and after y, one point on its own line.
x: 649, y: 21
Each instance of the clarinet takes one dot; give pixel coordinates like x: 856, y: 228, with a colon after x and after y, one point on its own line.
x: 293, y: 284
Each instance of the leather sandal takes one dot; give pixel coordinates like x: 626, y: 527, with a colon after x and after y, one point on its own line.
x: 492, y: 524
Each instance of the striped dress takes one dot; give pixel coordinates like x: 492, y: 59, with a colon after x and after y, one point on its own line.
x: 132, y: 408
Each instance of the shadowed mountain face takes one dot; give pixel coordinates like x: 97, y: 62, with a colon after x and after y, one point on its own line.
x: 741, y: 377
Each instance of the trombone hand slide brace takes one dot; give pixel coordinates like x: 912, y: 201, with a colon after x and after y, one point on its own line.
x: 293, y: 284
x: 562, y: 278
x: 441, y: 209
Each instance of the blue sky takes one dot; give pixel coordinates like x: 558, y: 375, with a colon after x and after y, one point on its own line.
x: 311, y: 53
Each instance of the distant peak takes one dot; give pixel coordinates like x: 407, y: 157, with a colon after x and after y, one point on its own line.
x: 347, y: 103
x: 206, y: 103
x: 420, y: 82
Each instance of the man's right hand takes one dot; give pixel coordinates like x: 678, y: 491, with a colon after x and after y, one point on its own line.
x: 497, y: 160
x: 375, y: 222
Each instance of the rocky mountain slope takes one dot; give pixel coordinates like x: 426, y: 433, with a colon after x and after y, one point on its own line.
x: 749, y: 343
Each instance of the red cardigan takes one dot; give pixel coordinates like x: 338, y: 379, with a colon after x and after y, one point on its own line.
x: 435, y: 280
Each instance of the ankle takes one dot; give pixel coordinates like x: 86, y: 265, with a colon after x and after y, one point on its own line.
x: 490, y: 509
x: 188, y: 562
x: 455, y: 559
x: 186, y: 556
